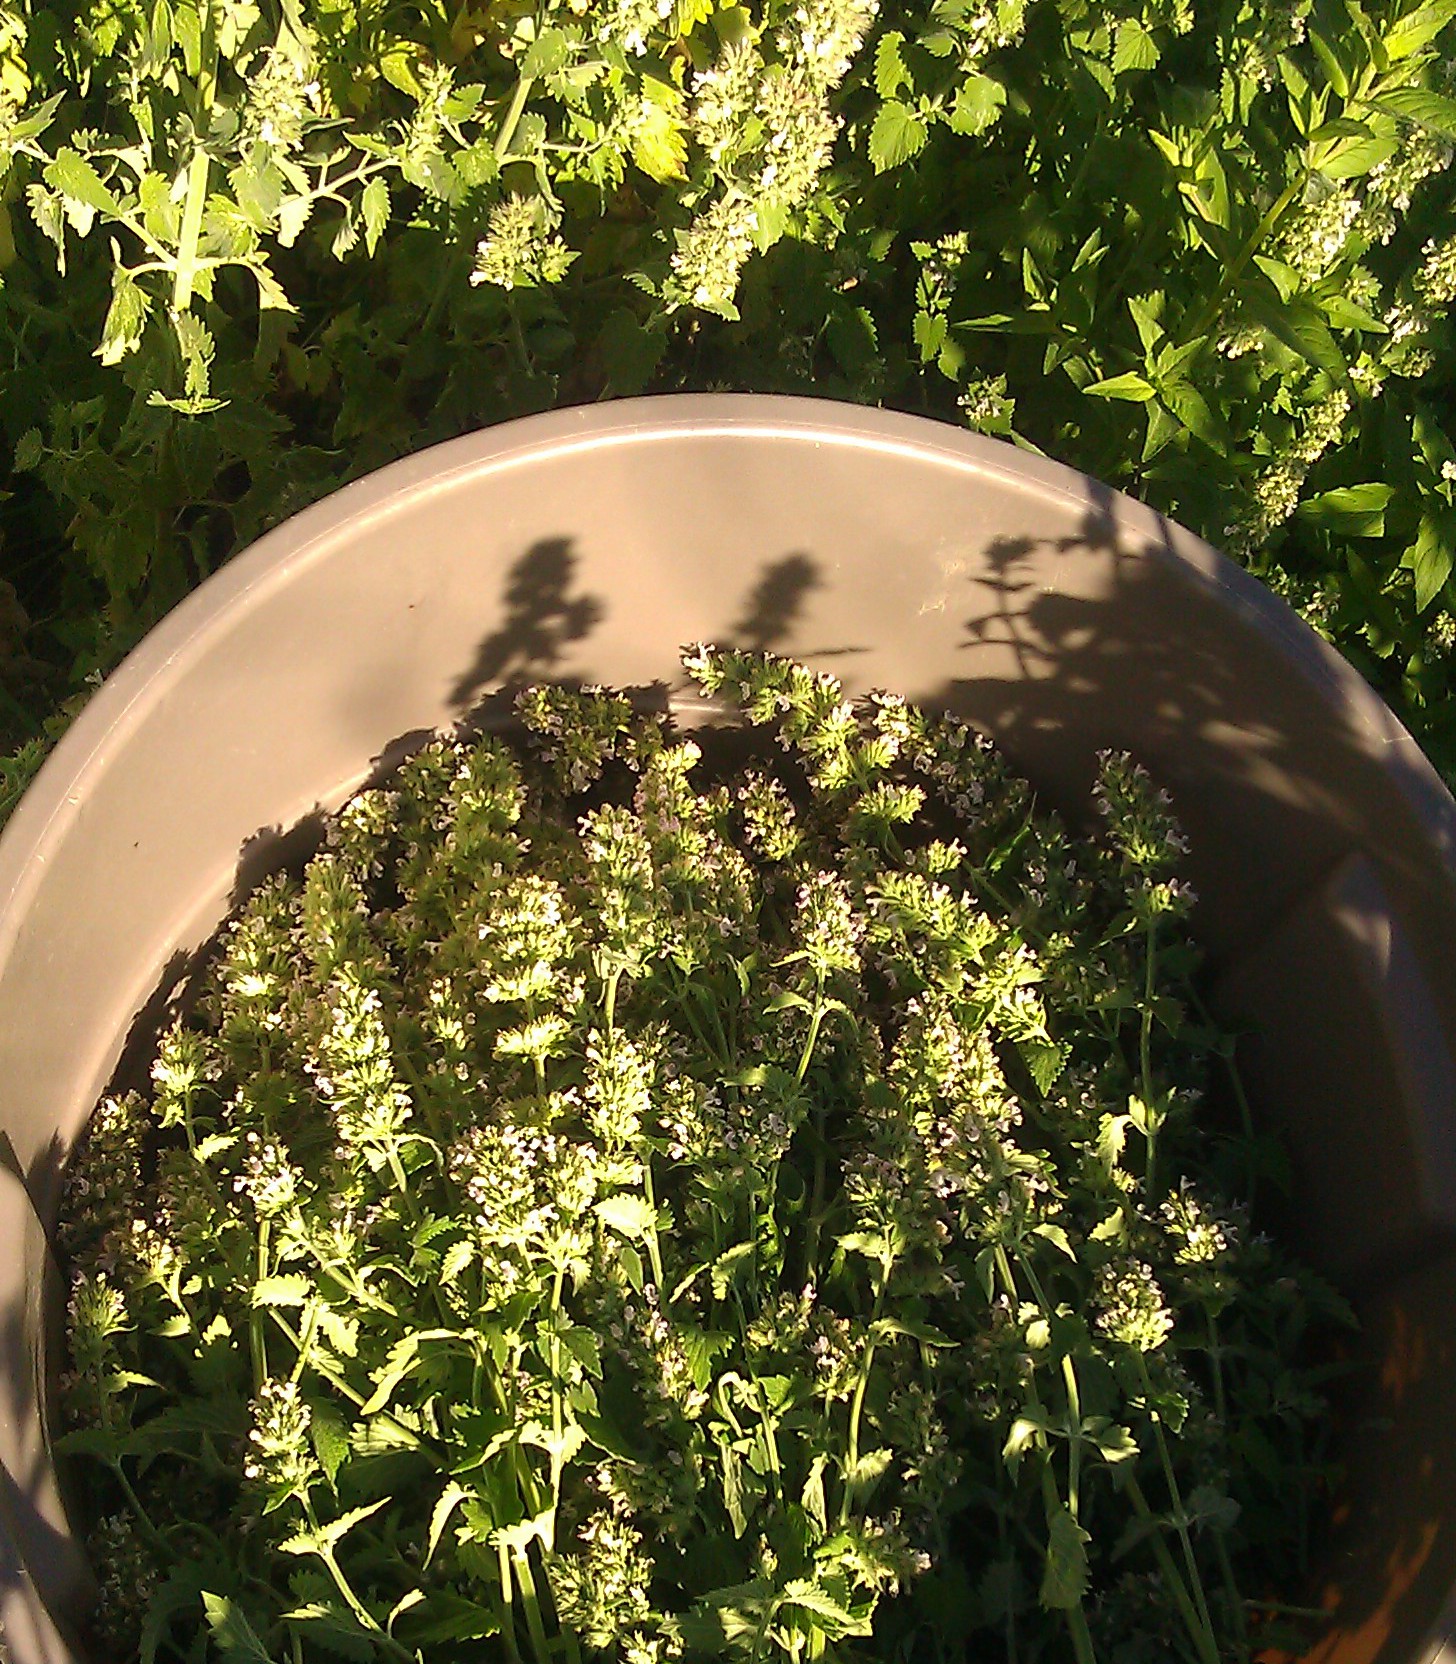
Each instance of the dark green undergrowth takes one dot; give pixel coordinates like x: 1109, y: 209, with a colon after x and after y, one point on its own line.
x: 1202, y: 249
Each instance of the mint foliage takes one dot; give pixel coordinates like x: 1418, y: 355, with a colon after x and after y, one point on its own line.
x: 642, y: 1196
x: 1199, y: 249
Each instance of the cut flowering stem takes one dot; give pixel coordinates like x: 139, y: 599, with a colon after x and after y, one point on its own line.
x: 773, y: 1233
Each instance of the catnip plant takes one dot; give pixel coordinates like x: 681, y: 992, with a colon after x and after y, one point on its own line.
x: 653, y: 1195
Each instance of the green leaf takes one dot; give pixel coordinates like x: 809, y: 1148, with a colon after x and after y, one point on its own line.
x: 1284, y: 278
x: 1352, y: 510
x: 979, y: 101
x: 29, y: 449
x: 1417, y: 29
x: 290, y: 1290
x: 1057, y: 1236
x: 890, y: 71
x: 292, y: 217
x: 811, y: 1597
x: 374, y: 207
x: 1045, y: 1059
x: 1024, y: 1430
x: 333, y: 1627
x: 457, y: 1257
x: 74, y: 177
x: 659, y: 144
x: 324, y: 1540
x: 330, y: 1440
x: 732, y: 1264
x: 126, y: 318
x: 630, y: 353
x: 1065, y: 1580
x: 1431, y: 110
x: 1135, y: 49
x: 630, y: 1216
x: 897, y: 135
x: 1300, y: 325
x: 231, y: 1632
x: 449, y: 1500
x: 547, y: 54
x: 1345, y: 313
x: 1129, y: 386
x: 1114, y: 1443
x: 1431, y: 556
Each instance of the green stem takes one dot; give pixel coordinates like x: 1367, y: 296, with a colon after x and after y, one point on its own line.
x: 556, y: 1403
x: 257, y: 1344
x: 654, y: 1248
x: 1203, y: 1641
x: 138, y: 1508
x: 856, y: 1408
x: 508, y: 1603
x: 1195, y: 1580
x: 1076, y: 1618
x: 1145, y: 1054
x: 512, y: 117
x: 531, y: 1603
x: 198, y: 168
x: 814, y: 1025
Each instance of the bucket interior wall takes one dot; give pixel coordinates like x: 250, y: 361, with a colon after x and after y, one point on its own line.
x: 1058, y: 616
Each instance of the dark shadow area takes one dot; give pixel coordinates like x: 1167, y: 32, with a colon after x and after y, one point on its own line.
x: 776, y: 604
x: 542, y: 618
x: 1343, y: 978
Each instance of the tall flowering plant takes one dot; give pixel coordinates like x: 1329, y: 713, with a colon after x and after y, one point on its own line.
x: 660, y: 1198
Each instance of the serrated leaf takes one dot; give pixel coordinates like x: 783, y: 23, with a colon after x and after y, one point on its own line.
x: 631, y: 1216
x: 659, y: 143
x: 77, y: 181
x: 890, y: 70
x: 926, y: 1333
x: 397, y: 65
x: 457, y: 1257
x: 1109, y: 1229
x: 196, y: 347
x: 897, y: 135
x: 546, y: 54
x: 978, y: 104
x: 1057, y: 1236
x: 292, y: 217
x: 291, y: 1289
x: 1064, y: 1581
x: 449, y: 1500
x: 810, y: 1597
x: 29, y: 449
x: 374, y: 208
x: 231, y: 1632
x: 1135, y: 48
x: 331, y: 1533
x: 1300, y: 325
x: 335, y: 1629
x: 1345, y: 313
x: 330, y: 1439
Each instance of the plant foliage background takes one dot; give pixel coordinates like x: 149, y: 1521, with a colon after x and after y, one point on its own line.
x: 1203, y: 249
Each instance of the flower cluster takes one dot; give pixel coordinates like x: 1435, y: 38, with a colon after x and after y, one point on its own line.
x: 658, y: 1193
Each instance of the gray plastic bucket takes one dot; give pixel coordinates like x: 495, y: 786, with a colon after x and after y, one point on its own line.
x: 1054, y: 613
